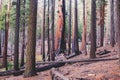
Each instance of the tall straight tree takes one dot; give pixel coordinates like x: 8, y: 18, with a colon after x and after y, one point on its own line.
x: 31, y: 40
x: 112, y: 29
x: 43, y: 32
x: 101, y: 23
x: 7, y: 24
x: 52, y: 53
x: 75, y: 46
x: 117, y: 20
x: 48, y: 32
x: 16, y: 42
x: 84, y: 32
x: 23, y: 34
x: 93, y: 29
x: 69, y: 28
x: 60, y: 44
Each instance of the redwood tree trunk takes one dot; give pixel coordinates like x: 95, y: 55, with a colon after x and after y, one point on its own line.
x: 60, y: 44
x: 84, y: 32
x: 93, y: 29
x: 31, y: 43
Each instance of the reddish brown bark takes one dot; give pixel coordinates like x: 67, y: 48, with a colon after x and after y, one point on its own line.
x: 84, y: 33
x: 60, y: 30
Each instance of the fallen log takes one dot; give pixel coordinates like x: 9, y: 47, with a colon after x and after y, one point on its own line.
x: 52, y: 64
x: 55, y: 73
x: 47, y: 67
x: 75, y: 61
x: 103, y: 52
x: 38, y: 69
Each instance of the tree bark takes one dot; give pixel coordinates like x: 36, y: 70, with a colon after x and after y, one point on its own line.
x: 52, y: 49
x: 7, y: 24
x: 117, y: 19
x: 84, y: 32
x: 112, y: 30
x: 16, y: 42
x: 102, y: 16
x: 48, y: 32
x: 69, y: 28
x: 43, y: 32
x: 31, y: 43
x: 23, y: 35
x: 60, y: 43
x: 75, y: 46
x: 93, y: 29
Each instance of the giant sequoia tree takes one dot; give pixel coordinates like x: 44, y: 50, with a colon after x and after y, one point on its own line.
x: 60, y: 44
x: 93, y: 29
x: 31, y: 43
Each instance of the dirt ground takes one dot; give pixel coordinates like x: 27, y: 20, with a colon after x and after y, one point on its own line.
x: 102, y: 70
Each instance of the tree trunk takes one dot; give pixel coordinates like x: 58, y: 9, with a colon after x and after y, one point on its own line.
x: 0, y: 44
x: 117, y: 19
x: 75, y: 46
x: 93, y: 29
x: 84, y: 32
x: 23, y: 35
x: 69, y: 28
x: 60, y: 44
x: 112, y: 30
x: 102, y: 16
x: 43, y: 33
x: 48, y: 42
x: 31, y: 43
x: 7, y: 23
x: 52, y: 49
x: 16, y: 44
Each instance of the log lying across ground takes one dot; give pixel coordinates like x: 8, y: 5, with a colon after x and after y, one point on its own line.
x: 55, y: 74
x: 52, y: 64
x: 38, y: 69
x: 75, y: 61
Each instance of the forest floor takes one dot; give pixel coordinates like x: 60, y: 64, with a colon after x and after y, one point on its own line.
x: 102, y: 70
